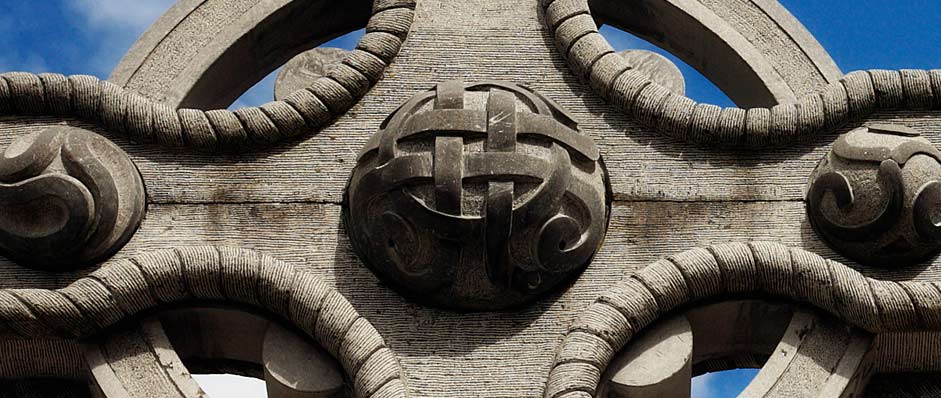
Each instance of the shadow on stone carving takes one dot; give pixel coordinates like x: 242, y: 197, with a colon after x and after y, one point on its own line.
x: 461, y: 332
x: 44, y: 388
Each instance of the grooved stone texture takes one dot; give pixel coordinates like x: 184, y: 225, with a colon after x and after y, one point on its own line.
x: 245, y: 207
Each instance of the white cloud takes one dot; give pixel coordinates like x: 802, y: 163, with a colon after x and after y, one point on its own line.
x: 113, y: 26
x: 120, y: 14
x: 706, y: 385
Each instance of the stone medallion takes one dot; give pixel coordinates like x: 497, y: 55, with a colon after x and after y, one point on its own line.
x: 477, y: 196
x: 68, y: 198
x: 875, y: 196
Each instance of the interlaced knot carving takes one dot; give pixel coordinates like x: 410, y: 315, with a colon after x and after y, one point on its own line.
x: 491, y: 176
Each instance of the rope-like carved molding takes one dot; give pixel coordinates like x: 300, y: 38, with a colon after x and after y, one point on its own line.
x: 123, y: 111
x: 855, y: 96
x: 123, y: 288
x: 759, y: 268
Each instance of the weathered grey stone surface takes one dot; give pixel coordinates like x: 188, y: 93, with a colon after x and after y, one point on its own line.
x: 294, y: 368
x: 817, y: 356
x: 138, y: 361
x: 658, y: 364
x: 283, y: 198
x: 659, y: 68
x: 304, y: 69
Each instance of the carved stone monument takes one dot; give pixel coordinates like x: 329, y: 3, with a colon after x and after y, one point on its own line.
x: 481, y: 199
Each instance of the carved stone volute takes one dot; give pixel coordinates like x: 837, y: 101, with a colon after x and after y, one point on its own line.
x: 875, y: 196
x: 68, y: 198
x: 477, y: 196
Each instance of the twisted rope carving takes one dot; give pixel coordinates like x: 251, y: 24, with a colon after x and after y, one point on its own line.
x: 123, y: 111
x: 123, y: 288
x: 760, y: 268
x: 856, y: 95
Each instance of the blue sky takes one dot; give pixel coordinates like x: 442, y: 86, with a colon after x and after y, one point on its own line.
x: 91, y: 36
x: 858, y: 34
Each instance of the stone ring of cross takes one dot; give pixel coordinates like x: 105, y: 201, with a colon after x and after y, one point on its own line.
x: 481, y: 198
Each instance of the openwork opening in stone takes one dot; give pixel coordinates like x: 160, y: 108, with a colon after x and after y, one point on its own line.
x: 163, y: 354
x: 93, y: 329
x: 230, y: 342
x: 662, y: 360
x: 700, y: 34
x: 259, y: 39
x: 771, y: 64
x: 663, y: 67
x: 857, y: 327
x: 152, y: 82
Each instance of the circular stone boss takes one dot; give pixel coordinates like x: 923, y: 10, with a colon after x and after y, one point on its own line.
x: 477, y: 196
x: 875, y: 196
x: 68, y: 199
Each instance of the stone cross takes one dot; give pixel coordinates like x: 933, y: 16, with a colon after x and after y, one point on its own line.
x: 483, y: 198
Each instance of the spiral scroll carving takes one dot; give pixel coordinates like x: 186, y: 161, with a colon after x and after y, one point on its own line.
x: 68, y: 198
x: 477, y: 196
x: 875, y: 195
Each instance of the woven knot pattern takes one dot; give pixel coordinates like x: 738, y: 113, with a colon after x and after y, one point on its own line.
x: 493, y: 167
